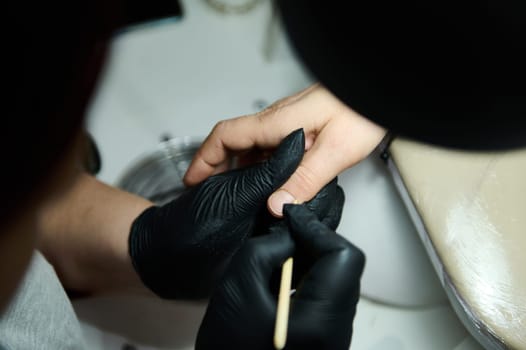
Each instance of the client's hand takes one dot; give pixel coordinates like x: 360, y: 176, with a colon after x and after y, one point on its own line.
x: 336, y: 138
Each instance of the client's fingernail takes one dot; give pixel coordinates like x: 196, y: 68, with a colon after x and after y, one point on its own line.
x: 278, y: 199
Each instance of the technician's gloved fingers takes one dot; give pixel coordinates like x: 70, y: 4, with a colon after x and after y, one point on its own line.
x: 329, y: 290
x: 334, y: 214
x: 327, y: 202
x: 252, y: 186
x: 310, y: 232
x: 263, y: 255
x: 339, y: 264
x: 242, y: 309
x: 247, y: 277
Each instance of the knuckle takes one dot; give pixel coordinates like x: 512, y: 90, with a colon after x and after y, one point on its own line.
x: 306, y: 180
x: 220, y: 127
x: 273, y: 111
x: 355, y: 257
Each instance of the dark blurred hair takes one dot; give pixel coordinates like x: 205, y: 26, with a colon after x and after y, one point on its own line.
x: 446, y: 72
x: 55, y: 53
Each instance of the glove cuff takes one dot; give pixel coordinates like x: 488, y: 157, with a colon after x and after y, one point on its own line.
x: 141, y: 250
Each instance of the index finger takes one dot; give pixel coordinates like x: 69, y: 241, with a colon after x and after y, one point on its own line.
x: 265, y: 130
x: 226, y: 137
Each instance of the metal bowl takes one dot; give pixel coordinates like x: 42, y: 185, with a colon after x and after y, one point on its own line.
x: 158, y: 175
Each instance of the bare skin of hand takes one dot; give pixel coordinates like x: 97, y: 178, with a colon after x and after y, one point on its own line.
x: 84, y: 233
x: 336, y: 139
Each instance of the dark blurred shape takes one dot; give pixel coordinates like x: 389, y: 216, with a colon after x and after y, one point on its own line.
x: 140, y: 11
x: 448, y: 73
x: 54, y: 53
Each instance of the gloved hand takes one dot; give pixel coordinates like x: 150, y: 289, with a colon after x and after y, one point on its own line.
x: 327, y: 204
x: 181, y: 249
x: 330, y: 291
x: 242, y: 311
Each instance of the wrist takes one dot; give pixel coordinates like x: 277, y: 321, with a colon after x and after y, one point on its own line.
x: 366, y: 135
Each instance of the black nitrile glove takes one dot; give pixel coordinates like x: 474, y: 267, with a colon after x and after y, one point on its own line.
x: 242, y: 311
x: 181, y: 249
x: 327, y: 205
x: 330, y: 291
